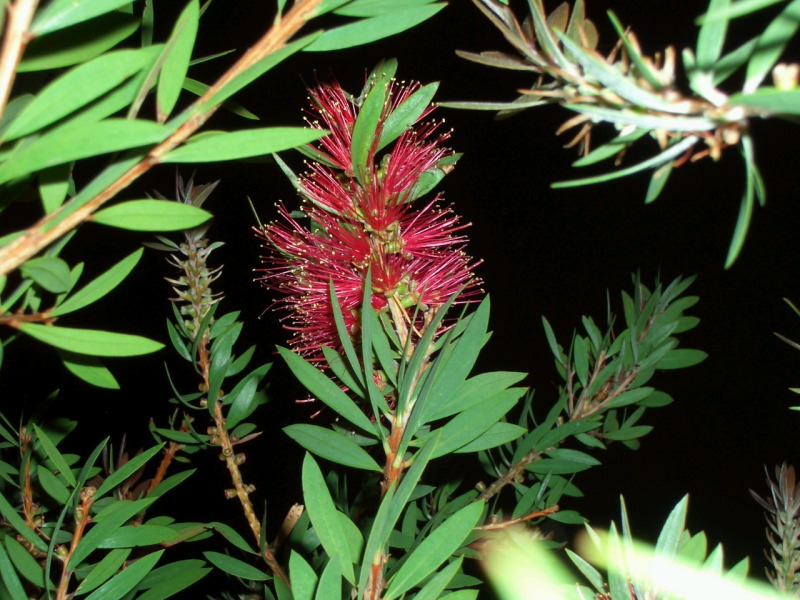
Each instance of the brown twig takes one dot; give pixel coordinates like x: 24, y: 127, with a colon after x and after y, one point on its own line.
x: 83, y: 518
x: 18, y: 17
x: 54, y: 225
x: 524, y: 518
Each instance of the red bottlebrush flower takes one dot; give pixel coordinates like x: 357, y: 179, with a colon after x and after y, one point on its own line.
x: 415, y: 254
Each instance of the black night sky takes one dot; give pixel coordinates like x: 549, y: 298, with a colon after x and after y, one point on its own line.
x: 545, y: 252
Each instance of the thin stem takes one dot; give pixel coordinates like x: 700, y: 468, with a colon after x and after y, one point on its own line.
x: 53, y: 225
x: 83, y: 518
x: 18, y: 17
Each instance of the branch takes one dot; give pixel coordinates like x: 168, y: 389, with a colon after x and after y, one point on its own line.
x: 54, y: 225
x: 18, y: 17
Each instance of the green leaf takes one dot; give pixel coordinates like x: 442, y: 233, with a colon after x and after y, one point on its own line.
x: 325, y: 518
x: 667, y: 155
x: 91, y: 341
x: 54, y: 183
x: 738, y: 9
x: 105, y: 569
x: 331, y: 446
x: 54, y: 455
x: 129, y: 536
x: 52, y: 485
x: 218, y: 146
x: 365, y: 128
x: 152, y: 215
x: 304, y: 580
x: 107, y: 521
x: 436, y: 584
x: 330, y: 582
x: 658, y: 181
x: 497, y: 435
x: 12, y: 517
x: 435, y: 549
x: 670, y: 536
x: 369, y: 30
x: 9, y: 577
x: 198, y: 88
x: 370, y: 8
x: 771, y: 99
x: 75, y: 141
x: 78, y: 44
x: 100, y: 286
x: 63, y: 13
x: 123, y: 583
x: 711, y: 38
x: 628, y: 433
x: 681, y: 358
x: 89, y: 369
x: 165, y: 582
x: 61, y: 98
x: 233, y: 536
x: 126, y: 470
x: 771, y: 45
x: 25, y: 564
x: 326, y: 390
x: 406, y: 114
x: 235, y: 567
x: 178, y: 52
x: 49, y: 272
x: 471, y: 423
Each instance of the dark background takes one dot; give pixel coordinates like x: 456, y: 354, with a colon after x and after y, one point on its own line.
x: 545, y: 252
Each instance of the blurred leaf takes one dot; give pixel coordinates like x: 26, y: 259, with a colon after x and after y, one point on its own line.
x: 100, y: 286
x: 434, y: 550
x: 54, y: 455
x: 636, y: 56
x: 369, y: 30
x: 326, y: 390
x: 60, y: 98
x: 217, y: 146
x: 49, y: 272
x: 9, y: 577
x: 63, y: 13
x: 407, y: 113
x: 658, y: 181
x: 91, y: 341
x: 78, y: 44
x: 771, y: 45
x: 325, y: 518
x: 235, y: 567
x: 129, y: 468
x: 609, y: 149
x: 152, y: 215
x: 82, y: 140
x: 711, y: 38
x: 125, y: 581
x: 178, y: 52
x: 331, y: 446
x: 628, y: 433
x: 771, y: 99
x: 109, y: 565
x: 738, y: 9
x: 373, y: 8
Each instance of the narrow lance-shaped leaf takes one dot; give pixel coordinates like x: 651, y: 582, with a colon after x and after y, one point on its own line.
x: 91, y: 341
x: 178, y: 54
x: 100, y: 286
x: 152, y: 215
x: 217, y: 146
x: 63, y: 13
